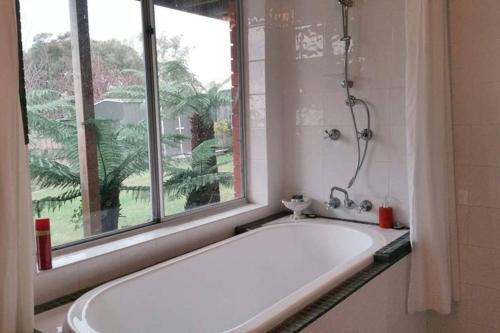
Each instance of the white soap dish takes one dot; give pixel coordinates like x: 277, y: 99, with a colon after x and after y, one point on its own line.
x: 297, y: 206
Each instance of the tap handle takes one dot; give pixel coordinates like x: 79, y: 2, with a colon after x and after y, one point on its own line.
x: 333, y: 203
x: 365, y: 206
x: 349, y: 204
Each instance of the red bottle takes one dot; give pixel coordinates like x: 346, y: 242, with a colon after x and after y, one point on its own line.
x: 43, y: 244
x: 385, y: 218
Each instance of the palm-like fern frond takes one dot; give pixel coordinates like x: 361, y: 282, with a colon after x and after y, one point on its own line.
x: 131, y: 92
x: 53, y: 174
x: 181, y: 180
x: 54, y: 202
x: 138, y: 192
x: 51, y: 115
x: 190, y: 182
x: 121, y: 149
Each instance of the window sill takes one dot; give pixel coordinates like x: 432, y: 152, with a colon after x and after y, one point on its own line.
x: 93, y: 263
x: 139, y: 237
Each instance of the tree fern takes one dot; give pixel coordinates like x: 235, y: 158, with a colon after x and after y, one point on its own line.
x: 122, y: 151
x: 122, y: 148
x: 181, y: 180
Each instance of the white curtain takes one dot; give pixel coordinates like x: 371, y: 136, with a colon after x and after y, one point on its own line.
x: 16, y: 228
x: 434, y: 269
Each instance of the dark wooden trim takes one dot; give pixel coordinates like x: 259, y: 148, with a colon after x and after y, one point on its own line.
x: 259, y: 223
x: 84, y: 106
x: 60, y: 301
x: 22, y: 83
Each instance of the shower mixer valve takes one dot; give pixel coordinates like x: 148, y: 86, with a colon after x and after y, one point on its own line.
x: 332, y: 134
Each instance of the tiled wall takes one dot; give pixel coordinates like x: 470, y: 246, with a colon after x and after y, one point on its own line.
x: 313, y: 101
x: 475, y: 55
x: 264, y: 154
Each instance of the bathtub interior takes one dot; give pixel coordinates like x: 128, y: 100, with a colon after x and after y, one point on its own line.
x: 221, y: 287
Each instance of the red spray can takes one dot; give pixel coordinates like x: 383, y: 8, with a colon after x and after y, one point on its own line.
x: 43, y: 244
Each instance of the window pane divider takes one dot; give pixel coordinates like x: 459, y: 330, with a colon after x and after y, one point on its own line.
x: 242, y: 97
x: 84, y: 107
x: 153, y: 106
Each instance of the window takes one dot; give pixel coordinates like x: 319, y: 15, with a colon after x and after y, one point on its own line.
x: 130, y: 121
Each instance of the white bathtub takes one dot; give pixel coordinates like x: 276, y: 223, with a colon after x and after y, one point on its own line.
x: 248, y: 283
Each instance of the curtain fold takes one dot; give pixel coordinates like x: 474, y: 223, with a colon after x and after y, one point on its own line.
x: 434, y: 262
x: 16, y: 228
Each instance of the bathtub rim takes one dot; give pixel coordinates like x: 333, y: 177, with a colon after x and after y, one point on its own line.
x: 378, y: 241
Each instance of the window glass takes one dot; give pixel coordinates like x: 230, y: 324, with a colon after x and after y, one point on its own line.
x: 198, y: 71
x: 87, y: 116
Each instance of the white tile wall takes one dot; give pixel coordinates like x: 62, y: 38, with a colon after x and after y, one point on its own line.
x: 313, y: 101
x: 475, y: 50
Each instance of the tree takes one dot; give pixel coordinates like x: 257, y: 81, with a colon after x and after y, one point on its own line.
x: 121, y: 147
x: 182, y: 94
x: 121, y: 153
x: 204, y: 105
x: 222, y: 129
x: 48, y: 64
x: 198, y: 181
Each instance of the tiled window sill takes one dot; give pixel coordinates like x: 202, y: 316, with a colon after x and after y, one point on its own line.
x: 85, y: 267
x: 158, y: 231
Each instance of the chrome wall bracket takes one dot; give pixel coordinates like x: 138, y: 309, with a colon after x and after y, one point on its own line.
x: 366, y: 134
x: 348, y: 83
x: 347, y: 3
x: 351, y: 101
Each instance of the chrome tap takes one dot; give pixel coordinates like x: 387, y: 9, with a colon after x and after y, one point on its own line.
x: 348, y: 203
x: 334, y: 202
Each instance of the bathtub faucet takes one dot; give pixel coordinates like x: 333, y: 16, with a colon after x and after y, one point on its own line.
x: 334, y: 202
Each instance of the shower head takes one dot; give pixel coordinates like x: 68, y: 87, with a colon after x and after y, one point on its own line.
x: 346, y: 3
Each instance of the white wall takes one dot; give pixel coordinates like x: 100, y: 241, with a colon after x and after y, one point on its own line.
x: 264, y: 156
x: 313, y: 101
x: 475, y: 51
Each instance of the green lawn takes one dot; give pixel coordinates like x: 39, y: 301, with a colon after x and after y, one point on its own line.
x: 133, y: 211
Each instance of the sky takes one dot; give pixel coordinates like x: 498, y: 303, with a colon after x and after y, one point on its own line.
x: 207, y: 39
